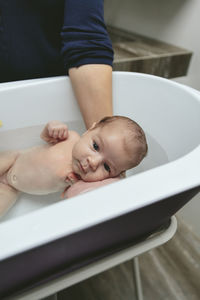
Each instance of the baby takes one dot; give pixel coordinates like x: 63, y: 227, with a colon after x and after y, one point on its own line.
x: 107, y: 149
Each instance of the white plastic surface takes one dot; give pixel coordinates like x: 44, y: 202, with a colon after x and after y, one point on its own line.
x: 168, y: 112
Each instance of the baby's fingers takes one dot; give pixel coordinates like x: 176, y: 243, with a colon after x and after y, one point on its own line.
x: 63, y: 134
x: 57, y: 130
x: 50, y: 130
x: 55, y: 133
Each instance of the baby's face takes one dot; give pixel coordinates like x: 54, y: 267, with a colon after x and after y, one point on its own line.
x: 100, y: 154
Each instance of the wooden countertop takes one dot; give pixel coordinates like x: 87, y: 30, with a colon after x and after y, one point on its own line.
x: 141, y: 54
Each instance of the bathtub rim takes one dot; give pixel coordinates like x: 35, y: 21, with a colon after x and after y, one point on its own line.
x: 8, y: 86
x: 33, y: 235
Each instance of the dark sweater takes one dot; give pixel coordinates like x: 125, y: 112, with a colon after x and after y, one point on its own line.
x: 42, y: 38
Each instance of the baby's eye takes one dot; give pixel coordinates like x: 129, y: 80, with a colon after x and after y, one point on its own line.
x: 95, y: 146
x: 106, y: 167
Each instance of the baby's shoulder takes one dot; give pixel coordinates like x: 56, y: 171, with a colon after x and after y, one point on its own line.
x: 73, y: 135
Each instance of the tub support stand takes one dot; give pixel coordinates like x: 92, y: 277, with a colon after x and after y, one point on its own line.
x: 138, y: 283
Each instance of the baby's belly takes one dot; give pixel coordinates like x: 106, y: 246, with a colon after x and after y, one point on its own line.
x: 36, y: 185
x: 36, y: 174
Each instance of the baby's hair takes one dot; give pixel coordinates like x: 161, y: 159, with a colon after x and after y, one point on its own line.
x: 135, y: 133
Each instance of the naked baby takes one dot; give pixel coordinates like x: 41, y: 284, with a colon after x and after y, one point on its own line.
x: 106, y: 150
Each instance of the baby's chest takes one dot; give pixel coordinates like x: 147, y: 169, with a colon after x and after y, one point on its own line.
x: 43, y: 162
x: 58, y: 164
x: 58, y: 167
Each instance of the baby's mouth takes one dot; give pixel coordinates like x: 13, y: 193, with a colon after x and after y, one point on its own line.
x: 81, y: 168
x: 78, y: 176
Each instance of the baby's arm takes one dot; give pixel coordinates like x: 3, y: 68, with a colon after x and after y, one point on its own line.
x: 54, y: 132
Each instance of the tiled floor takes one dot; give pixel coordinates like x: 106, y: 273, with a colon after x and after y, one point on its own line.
x: 170, y: 272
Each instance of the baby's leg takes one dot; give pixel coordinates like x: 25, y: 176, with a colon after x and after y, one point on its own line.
x: 7, y: 159
x: 8, y: 197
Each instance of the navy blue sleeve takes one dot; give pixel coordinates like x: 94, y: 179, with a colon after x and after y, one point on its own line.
x: 84, y: 35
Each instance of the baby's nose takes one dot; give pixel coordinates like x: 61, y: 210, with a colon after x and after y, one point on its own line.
x: 94, y: 162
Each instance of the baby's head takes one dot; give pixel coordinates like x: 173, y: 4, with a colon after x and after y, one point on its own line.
x: 110, y: 147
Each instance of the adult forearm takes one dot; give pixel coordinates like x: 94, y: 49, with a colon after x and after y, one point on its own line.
x: 92, y: 86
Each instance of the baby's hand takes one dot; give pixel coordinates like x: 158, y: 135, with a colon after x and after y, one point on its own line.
x: 54, y: 132
x: 72, y: 178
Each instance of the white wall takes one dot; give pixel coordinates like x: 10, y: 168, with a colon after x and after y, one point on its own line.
x: 173, y: 21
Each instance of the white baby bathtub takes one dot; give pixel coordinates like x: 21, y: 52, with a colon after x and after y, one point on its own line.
x: 66, y: 234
